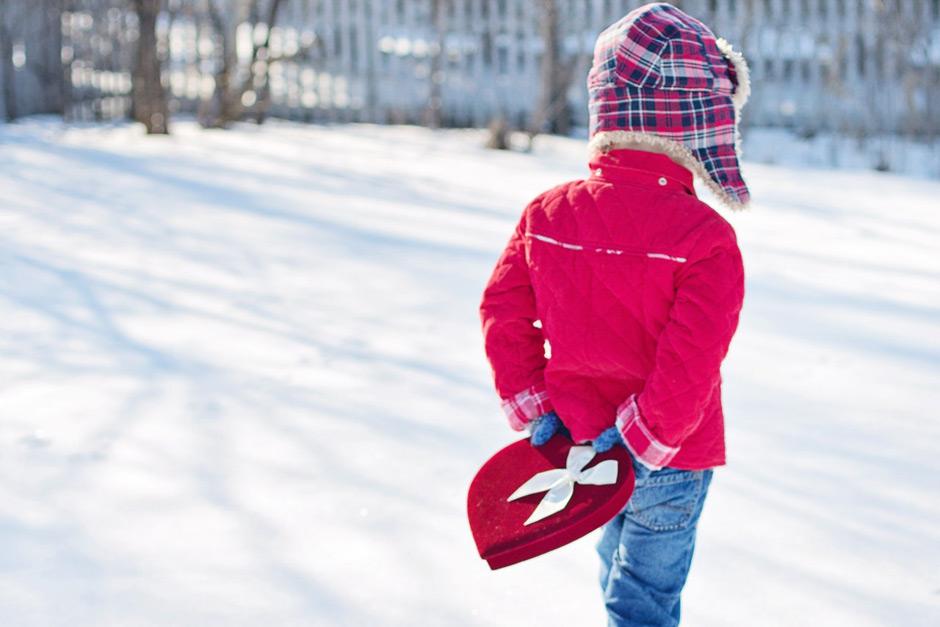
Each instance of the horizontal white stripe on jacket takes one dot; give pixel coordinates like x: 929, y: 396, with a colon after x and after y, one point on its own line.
x: 601, y: 249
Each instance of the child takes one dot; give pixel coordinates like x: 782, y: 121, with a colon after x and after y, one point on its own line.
x: 637, y: 285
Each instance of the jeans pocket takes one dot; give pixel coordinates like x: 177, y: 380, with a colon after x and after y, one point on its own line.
x: 667, y: 499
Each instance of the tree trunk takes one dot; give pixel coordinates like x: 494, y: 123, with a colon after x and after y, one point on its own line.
x: 498, y: 138
x: 553, y: 114
x: 231, y: 98
x: 7, y: 71
x: 261, y: 57
x: 148, y: 96
x: 432, y: 112
x: 48, y: 48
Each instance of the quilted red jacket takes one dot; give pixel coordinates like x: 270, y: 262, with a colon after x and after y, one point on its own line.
x: 636, y: 286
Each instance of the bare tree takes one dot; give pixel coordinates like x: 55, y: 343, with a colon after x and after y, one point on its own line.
x: 433, y: 113
x: 7, y: 69
x: 553, y: 113
x: 46, y: 50
x: 499, y: 133
x: 148, y: 96
x: 232, y: 97
x: 220, y: 110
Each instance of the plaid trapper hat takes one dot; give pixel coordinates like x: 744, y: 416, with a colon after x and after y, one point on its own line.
x: 660, y: 77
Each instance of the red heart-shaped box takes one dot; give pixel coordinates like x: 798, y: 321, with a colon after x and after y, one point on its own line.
x: 497, y: 524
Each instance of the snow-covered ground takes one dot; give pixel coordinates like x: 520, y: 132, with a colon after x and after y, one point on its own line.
x: 919, y: 158
x: 242, y: 383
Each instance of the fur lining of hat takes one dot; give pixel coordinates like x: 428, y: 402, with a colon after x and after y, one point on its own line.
x: 741, y: 92
x: 743, y: 74
x: 605, y: 141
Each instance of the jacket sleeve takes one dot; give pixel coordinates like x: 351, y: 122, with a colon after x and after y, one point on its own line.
x: 515, y: 347
x: 689, y: 352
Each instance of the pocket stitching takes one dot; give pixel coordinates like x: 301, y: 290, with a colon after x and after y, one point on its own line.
x: 647, y: 523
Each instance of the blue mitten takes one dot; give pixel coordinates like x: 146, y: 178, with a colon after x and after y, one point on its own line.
x: 607, y: 439
x: 544, y: 427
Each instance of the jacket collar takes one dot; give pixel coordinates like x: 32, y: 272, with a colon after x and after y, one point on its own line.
x: 642, y: 167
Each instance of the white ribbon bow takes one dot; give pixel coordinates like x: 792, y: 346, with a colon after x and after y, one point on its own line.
x: 560, y: 481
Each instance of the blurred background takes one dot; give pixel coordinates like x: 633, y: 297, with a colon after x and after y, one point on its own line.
x: 242, y: 249
x: 859, y: 79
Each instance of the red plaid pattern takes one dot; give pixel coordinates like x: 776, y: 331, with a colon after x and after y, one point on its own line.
x: 641, y: 442
x: 660, y: 71
x: 526, y: 406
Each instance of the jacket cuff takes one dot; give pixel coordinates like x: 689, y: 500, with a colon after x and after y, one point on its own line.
x: 639, y: 439
x: 526, y: 406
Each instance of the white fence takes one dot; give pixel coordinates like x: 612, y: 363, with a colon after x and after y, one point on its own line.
x: 856, y: 67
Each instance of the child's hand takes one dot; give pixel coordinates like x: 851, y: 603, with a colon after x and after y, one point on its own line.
x: 544, y: 427
x: 611, y: 437
x: 607, y: 439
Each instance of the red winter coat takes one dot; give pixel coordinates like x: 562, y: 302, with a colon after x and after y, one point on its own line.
x: 637, y: 285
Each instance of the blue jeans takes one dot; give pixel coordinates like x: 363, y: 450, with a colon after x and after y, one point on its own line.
x: 646, y: 550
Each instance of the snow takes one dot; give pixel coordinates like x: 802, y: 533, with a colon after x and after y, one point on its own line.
x: 918, y: 157
x: 243, y: 383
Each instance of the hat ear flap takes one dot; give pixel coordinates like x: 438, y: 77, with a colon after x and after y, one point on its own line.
x: 741, y: 74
